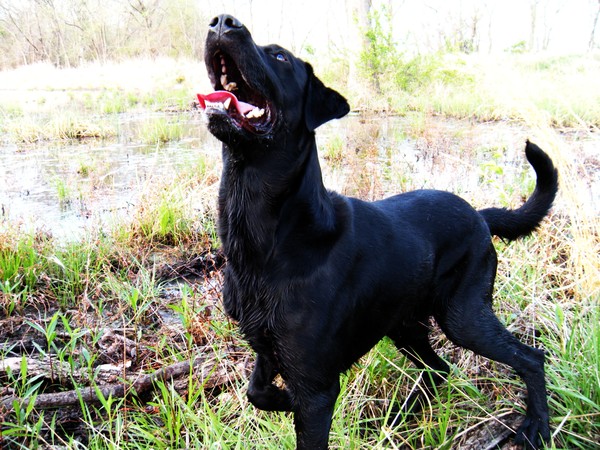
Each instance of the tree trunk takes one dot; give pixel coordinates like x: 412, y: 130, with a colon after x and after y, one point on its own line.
x: 358, y: 24
x: 594, y: 25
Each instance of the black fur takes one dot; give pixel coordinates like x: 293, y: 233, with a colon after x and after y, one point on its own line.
x: 316, y: 279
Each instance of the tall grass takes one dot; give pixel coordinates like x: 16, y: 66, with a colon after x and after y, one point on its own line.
x: 539, y: 295
x: 64, y: 297
x: 62, y: 126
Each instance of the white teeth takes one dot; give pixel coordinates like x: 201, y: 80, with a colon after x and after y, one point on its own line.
x: 224, y: 106
x: 214, y: 105
x: 255, y: 113
x: 218, y: 105
x: 224, y: 80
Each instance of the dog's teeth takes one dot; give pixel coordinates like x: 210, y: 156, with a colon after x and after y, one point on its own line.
x: 218, y: 105
x: 224, y: 80
x: 255, y: 113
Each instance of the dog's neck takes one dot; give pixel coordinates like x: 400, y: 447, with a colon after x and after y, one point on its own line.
x: 256, y: 193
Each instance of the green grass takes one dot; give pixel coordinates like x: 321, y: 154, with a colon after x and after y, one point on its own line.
x: 19, y: 265
x: 334, y: 150
x: 561, y: 96
x: 101, y: 281
x: 65, y: 297
x: 115, y: 102
x: 161, y: 130
x: 574, y: 375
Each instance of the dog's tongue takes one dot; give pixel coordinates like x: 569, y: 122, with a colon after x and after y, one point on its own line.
x: 225, y: 99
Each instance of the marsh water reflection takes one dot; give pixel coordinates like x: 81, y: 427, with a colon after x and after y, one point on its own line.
x: 67, y: 188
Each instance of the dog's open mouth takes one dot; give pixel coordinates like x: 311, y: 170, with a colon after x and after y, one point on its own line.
x: 245, y: 106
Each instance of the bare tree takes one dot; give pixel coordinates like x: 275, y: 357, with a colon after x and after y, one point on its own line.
x: 59, y: 50
x: 359, y: 24
x: 543, y: 19
x: 14, y: 25
x: 591, y: 43
x: 551, y: 12
x: 533, y: 8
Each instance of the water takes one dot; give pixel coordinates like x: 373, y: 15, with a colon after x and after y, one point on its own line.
x: 68, y: 188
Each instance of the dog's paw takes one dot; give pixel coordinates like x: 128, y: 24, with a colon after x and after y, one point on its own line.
x: 533, y: 433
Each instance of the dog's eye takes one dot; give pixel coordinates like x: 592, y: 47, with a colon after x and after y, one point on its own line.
x: 281, y: 57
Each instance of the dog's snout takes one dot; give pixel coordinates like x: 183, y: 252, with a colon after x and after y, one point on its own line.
x: 224, y: 23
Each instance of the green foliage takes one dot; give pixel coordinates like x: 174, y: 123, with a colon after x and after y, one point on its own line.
x: 380, y: 55
x: 165, y: 221
x: 71, y: 269
x: 519, y: 47
x: 391, y: 69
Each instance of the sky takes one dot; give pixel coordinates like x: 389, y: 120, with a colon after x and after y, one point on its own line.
x: 418, y: 24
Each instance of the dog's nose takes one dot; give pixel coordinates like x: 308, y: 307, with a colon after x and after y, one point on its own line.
x: 224, y: 23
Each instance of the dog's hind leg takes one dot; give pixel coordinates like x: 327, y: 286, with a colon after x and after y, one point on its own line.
x: 262, y: 393
x: 413, y: 342
x: 468, y: 321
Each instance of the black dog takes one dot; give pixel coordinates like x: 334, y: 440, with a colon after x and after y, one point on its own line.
x: 316, y: 279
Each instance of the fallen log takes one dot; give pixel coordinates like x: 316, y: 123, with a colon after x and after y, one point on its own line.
x: 93, y: 394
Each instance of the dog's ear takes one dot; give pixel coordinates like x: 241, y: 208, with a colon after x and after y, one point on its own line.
x: 322, y: 103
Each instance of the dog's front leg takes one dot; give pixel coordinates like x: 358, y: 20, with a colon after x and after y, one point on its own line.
x: 313, y: 418
x: 262, y: 393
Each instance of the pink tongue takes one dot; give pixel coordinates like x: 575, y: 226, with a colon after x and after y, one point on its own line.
x: 221, y: 96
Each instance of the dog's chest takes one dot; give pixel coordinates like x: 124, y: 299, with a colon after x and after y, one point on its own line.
x: 246, y: 227
x: 248, y: 300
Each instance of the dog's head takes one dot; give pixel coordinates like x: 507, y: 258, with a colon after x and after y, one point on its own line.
x: 261, y: 91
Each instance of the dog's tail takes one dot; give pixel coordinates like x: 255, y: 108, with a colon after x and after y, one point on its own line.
x: 514, y: 223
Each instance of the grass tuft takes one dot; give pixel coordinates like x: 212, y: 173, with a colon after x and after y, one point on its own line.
x: 161, y: 131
